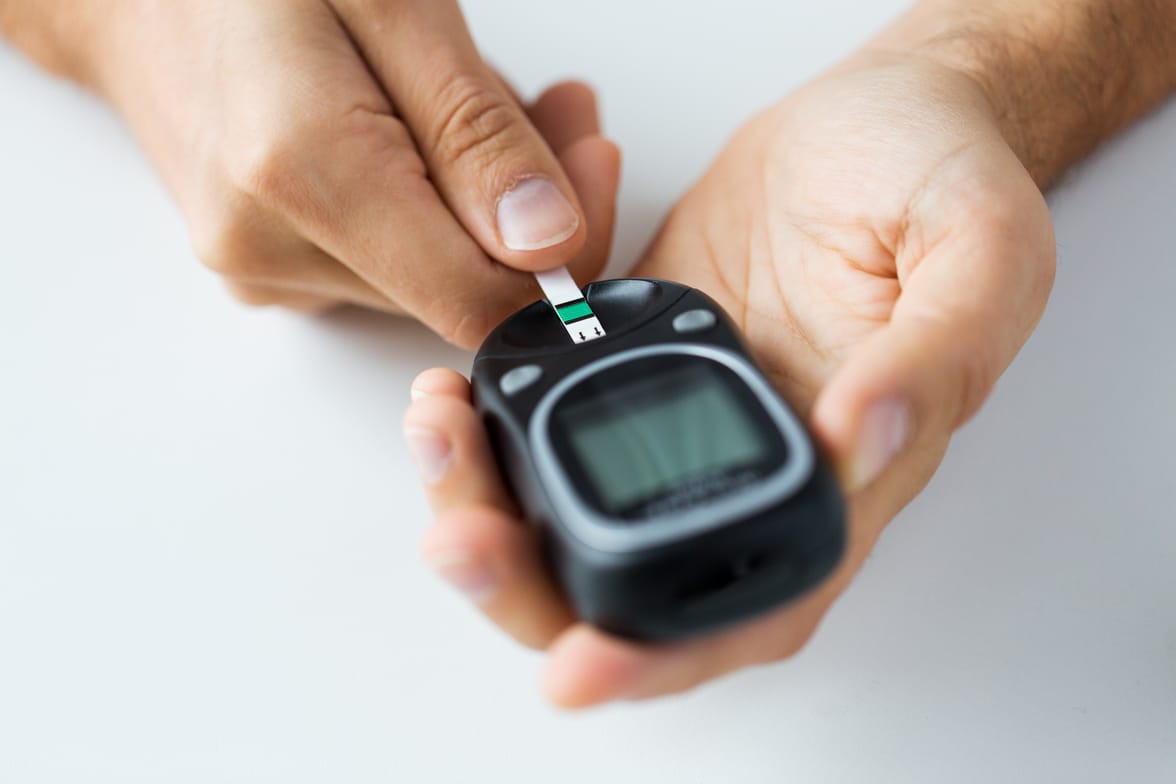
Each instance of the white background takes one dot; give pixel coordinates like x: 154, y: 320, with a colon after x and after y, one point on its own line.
x: 208, y: 522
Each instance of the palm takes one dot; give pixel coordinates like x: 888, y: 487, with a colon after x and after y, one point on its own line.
x: 812, y: 256
x: 812, y: 225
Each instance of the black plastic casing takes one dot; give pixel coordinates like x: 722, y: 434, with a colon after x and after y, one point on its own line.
x: 691, y: 585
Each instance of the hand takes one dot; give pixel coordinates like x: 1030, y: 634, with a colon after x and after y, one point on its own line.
x: 886, y: 255
x: 361, y: 152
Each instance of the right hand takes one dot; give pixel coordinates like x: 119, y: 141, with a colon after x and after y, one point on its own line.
x: 884, y: 278
x: 331, y: 151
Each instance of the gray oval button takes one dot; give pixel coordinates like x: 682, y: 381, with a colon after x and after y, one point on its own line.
x: 694, y: 320
x: 517, y: 379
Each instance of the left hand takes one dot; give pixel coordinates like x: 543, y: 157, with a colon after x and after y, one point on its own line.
x: 885, y: 254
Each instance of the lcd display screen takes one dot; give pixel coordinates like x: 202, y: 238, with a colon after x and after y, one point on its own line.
x: 648, y: 437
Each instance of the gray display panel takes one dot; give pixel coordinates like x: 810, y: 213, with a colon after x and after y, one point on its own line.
x: 646, y: 438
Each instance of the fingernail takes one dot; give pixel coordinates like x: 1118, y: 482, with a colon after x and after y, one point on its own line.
x: 475, y: 580
x: 883, y: 433
x: 417, y: 394
x: 431, y: 452
x: 534, y: 215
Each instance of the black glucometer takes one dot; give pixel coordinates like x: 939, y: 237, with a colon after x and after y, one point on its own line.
x: 673, y: 490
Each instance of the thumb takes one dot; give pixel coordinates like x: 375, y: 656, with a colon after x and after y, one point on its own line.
x: 500, y: 177
x: 489, y: 164
x: 913, y: 381
x: 566, y: 115
x: 960, y: 320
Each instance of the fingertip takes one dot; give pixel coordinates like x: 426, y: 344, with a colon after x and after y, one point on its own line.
x: 587, y: 667
x: 440, y: 382
x: 441, y: 435
x: 593, y: 158
x: 540, y: 226
x: 535, y: 216
x: 832, y: 421
x: 863, y: 427
x: 593, y: 165
x: 569, y: 94
x: 565, y: 113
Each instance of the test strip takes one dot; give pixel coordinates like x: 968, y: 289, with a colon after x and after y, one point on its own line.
x: 573, y: 310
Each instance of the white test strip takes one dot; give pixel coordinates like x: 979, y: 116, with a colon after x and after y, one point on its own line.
x: 569, y: 304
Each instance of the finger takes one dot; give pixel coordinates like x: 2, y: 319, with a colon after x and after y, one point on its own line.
x: 506, y: 85
x: 564, y: 114
x: 490, y: 165
x: 453, y: 456
x: 493, y: 559
x: 476, y: 543
x: 241, y: 238
x: 318, y: 148
x: 441, y: 382
x: 363, y: 197
x: 594, y: 166
x: 375, y: 210
x: 252, y: 256
x: 567, y: 117
x: 265, y: 296
x: 971, y: 293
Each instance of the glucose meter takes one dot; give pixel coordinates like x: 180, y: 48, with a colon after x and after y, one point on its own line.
x: 673, y: 490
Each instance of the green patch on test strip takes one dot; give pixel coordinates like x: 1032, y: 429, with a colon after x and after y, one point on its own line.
x: 573, y: 311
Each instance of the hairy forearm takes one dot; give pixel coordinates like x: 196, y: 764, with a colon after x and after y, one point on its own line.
x: 1062, y: 75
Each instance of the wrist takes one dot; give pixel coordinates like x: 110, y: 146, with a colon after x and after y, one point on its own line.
x: 1060, y: 77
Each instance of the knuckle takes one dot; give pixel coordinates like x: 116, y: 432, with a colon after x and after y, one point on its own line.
x: 303, y: 169
x: 267, y: 170
x: 475, y: 123
x: 459, y: 329
x: 380, y: 143
x: 465, y: 321
x: 221, y: 242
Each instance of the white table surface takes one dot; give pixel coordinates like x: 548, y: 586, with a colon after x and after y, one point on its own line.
x: 209, y: 524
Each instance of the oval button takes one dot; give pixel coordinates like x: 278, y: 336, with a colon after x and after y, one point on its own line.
x: 694, y: 321
x: 517, y: 379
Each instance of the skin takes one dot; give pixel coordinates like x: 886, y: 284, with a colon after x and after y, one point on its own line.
x: 880, y: 235
x: 905, y: 265
x: 882, y: 240
x: 341, y: 152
